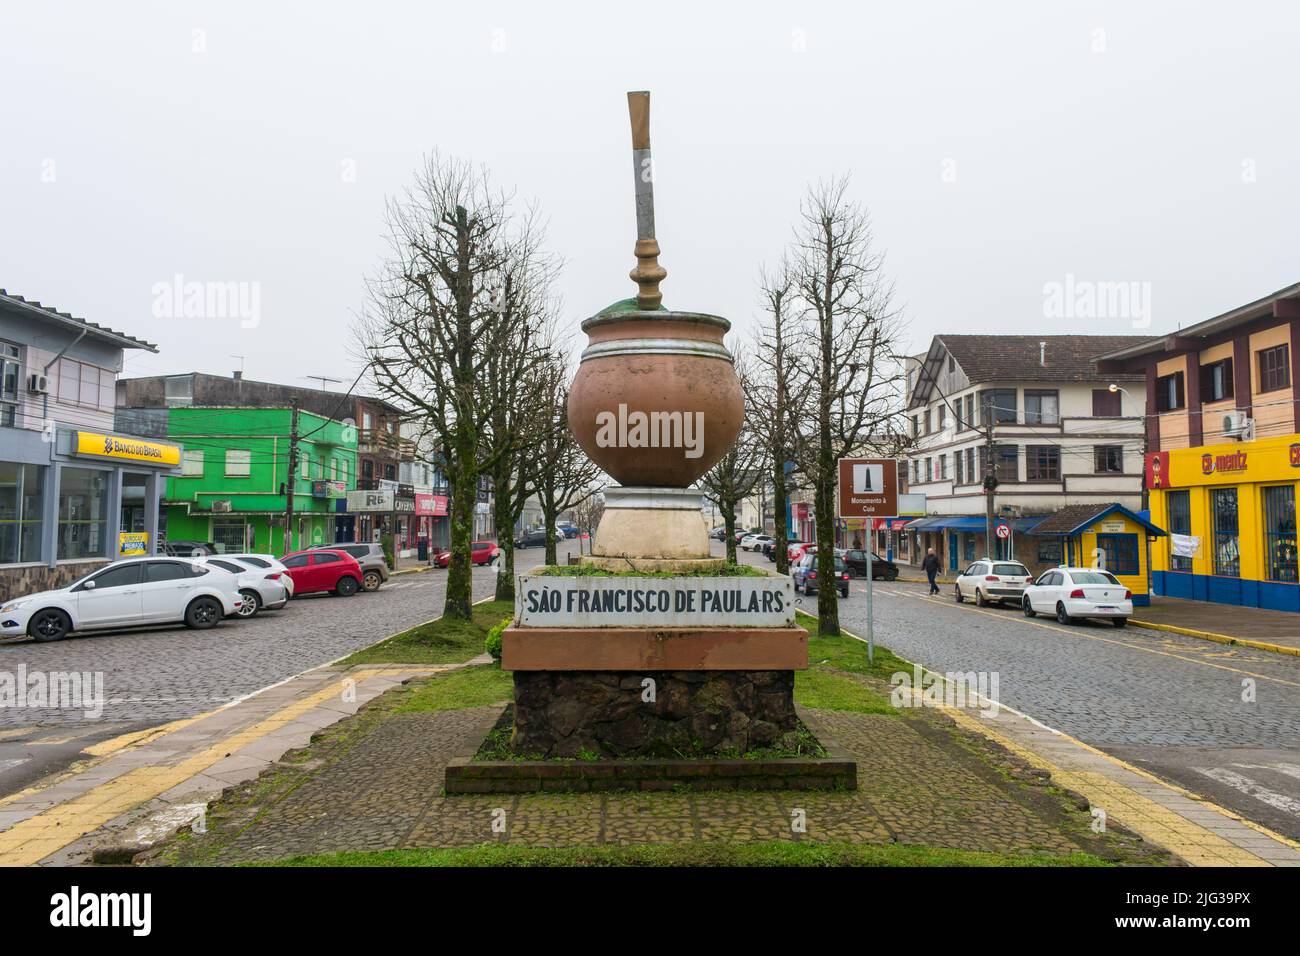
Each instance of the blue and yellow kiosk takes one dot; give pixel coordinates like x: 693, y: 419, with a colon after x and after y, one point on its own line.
x: 1107, y: 536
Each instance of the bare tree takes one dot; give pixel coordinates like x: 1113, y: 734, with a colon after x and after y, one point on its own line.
x: 587, y: 514
x: 776, y: 392
x: 739, y: 472
x: 432, y: 322
x: 568, y: 478
x: 854, y: 372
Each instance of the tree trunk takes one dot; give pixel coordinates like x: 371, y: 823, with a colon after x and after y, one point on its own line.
x: 780, y: 547
x: 551, y: 539
x: 459, y: 581
x: 729, y: 522
x: 505, y: 519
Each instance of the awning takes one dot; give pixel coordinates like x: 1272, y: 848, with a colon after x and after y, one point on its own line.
x: 974, y: 524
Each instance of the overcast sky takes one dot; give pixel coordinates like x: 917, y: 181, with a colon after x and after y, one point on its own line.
x: 1000, y: 147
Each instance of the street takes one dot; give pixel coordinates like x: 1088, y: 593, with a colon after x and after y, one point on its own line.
x: 156, y: 675
x: 1169, y: 704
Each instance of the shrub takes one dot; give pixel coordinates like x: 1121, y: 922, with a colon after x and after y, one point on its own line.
x: 492, y: 643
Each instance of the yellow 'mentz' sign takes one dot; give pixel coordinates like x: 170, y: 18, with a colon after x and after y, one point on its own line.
x: 131, y: 449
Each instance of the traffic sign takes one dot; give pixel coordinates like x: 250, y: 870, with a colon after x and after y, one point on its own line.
x: 1003, y: 531
x: 868, y: 487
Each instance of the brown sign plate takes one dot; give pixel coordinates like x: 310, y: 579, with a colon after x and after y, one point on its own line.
x: 868, y: 487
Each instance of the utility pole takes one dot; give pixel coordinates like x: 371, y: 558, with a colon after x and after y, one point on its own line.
x: 990, y: 485
x: 293, y: 473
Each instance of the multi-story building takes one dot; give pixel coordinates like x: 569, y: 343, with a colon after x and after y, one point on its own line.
x: 1223, y: 454
x: 1031, y: 410
x: 74, y: 493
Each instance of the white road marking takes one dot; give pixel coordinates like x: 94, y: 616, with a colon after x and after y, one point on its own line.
x: 10, y: 764
x: 1287, y: 769
x: 1278, y: 801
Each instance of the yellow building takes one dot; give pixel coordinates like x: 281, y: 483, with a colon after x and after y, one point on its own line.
x: 1222, y: 453
x: 1107, y: 536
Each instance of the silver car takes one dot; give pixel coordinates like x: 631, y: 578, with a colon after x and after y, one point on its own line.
x: 374, y: 566
x: 260, y: 589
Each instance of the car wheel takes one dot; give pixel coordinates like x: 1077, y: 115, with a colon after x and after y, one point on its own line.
x: 1028, y: 608
x: 956, y: 590
x: 1119, y: 621
x: 979, y: 598
x: 1061, y: 616
x: 853, y: 574
x: 203, y: 613
x: 891, y: 575
x: 371, y: 580
x: 252, y: 603
x: 347, y: 586
x: 844, y: 592
x: 49, y: 625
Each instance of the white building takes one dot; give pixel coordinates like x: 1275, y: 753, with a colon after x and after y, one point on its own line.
x: 1057, y: 435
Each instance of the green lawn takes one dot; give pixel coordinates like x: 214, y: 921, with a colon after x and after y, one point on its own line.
x: 467, y: 687
x: 693, y: 854
x: 437, y: 642
x: 838, y: 674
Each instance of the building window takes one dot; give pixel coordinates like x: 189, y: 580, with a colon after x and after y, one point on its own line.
x: 943, y: 416
x: 1050, y: 551
x: 85, y: 385
x: 1042, y: 407
x: 929, y: 469
x: 238, y: 462
x: 1108, y: 459
x: 230, y: 535
x: 304, y: 466
x: 1216, y: 381
x: 952, y: 365
x: 1180, y: 522
x: 11, y: 376
x: 1042, y: 463
x: 927, y: 421
x: 958, y: 460
x: 1274, y: 368
x: 22, y: 494
x: 1120, y: 552
x: 1169, y: 392
x: 83, y: 513
x: 943, y: 467
x: 970, y: 410
x: 178, y: 390
x: 916, y: 471
x: 998, y: 405
x: 1227, y: 552
x: 1006, y: 462
x: 1279, y: 533
x: 192, y: 463
x: 1106, y: 404
x: 916, y: 426
x: 971, y: 476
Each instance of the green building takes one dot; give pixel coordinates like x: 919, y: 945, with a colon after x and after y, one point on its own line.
x: 234, y: 469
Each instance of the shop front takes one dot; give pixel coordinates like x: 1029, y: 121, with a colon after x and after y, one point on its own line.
x: 1230, y: 513
x: 71, y: 501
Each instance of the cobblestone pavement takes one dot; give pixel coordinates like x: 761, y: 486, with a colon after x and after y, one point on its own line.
x: 377, y: 785
x: 162, y: 674
x: 1177, y: 706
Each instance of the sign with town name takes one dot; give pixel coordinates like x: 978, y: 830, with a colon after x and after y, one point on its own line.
x: 868, y: 488
x: 127, y: 448
x: 544, y: 600
x: 385, y: 500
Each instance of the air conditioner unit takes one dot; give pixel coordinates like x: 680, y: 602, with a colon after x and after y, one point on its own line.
x: 221, y: 507
x: 1238, y: 424
x: 36, y: 382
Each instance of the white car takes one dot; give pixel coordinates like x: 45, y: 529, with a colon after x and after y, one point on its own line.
x: 260, y: 588
x: 754, y: 542
x: 1071, y: 593
x: 155, y: 590
x: 988, y: 581
x: 265, y: 562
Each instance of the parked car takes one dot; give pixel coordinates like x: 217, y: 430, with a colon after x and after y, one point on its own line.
x: 1072, y: 593
x: 531, y: 539
x: 261, y: 589
x: 127, y: 593
x: 265, y: 562
x: 370, y: 555
x: 481, y: 552
x: 568, y: 530
x: 993, y: 581
x: 881, y: 568
x: 769, y: 550
x: 804, y: 574
x: 188, y: 549
x: 796, y: 549
x: 319, y: 569
x: 754, y: 542
x: 719, y: 534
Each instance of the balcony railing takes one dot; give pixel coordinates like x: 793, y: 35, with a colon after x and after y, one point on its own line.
x: 376, y: 441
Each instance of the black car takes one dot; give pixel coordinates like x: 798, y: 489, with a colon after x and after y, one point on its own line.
x: 769, y: 550
x: 188, y: 549
x: 856, y: 560
x: 531, y: 539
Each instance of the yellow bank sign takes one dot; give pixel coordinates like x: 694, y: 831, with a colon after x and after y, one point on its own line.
x: 127, y: 448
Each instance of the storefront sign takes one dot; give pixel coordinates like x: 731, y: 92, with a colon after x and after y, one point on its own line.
x: 127, y: 448
x: 329, y: 489
x: 1112, y: 527
x: 1233, y: 463
x: 132, y: 543
x: 435, y: 505
x: 367, y: 501
x: 606, y: 601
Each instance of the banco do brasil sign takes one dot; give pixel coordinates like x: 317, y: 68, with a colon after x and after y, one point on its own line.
x: 127, y: 447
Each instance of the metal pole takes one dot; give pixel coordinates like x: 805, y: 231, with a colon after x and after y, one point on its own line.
x: 289, y: 485
x: 871, y: 623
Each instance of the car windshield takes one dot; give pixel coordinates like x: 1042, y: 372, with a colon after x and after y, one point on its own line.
x: 1092, y: 577
x: 1011, y: 570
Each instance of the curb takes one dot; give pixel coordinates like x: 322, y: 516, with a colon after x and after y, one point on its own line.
x: 1216, y: 638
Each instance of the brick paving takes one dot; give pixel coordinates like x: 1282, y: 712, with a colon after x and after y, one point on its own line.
x: 377, y: 785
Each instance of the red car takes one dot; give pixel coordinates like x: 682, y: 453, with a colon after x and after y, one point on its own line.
x: 481, y: 552
x: 323, y: 570
x: 798, y: 549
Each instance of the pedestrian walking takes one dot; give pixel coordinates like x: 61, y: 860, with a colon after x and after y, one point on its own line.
x: 931, y: 568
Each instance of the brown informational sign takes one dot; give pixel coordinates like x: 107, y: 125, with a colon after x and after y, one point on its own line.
x: 868, y: 487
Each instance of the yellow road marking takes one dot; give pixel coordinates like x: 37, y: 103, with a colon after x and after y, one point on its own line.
x: 31, y: 840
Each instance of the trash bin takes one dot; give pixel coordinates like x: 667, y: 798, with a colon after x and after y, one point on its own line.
x: 422, y: 547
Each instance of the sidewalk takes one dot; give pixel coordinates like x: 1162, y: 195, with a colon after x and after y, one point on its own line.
x: 1277, y: 631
